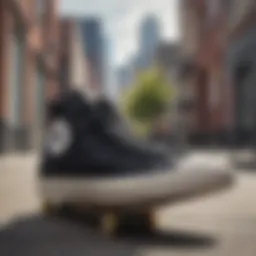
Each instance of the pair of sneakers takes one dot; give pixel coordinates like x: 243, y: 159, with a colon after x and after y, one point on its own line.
x: 89, y: 157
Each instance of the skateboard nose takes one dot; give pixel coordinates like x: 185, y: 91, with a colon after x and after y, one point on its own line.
x: 220, y: 175
x: 208, y: 177
x: 206, y: 174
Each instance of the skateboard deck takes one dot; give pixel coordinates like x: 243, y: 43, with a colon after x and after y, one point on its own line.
x: 109, y: 220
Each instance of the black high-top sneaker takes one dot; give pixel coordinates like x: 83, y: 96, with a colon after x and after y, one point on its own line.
x: 83, y: 163
x: 112, y: 129
x: 118, y: 127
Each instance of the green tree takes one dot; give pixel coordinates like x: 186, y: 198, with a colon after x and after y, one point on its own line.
x: 149, y: 97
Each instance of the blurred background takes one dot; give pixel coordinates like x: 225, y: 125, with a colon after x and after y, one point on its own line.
x: 185, y: 67
x: 180, y: 71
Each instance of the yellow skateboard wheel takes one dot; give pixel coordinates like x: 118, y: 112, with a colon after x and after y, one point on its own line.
x: 109, y: 223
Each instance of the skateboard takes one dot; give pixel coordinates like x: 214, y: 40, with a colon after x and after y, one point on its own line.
x: 109, y: 220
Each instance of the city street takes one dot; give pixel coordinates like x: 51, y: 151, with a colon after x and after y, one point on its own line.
x: 75, y: 74
x: 221, y: 225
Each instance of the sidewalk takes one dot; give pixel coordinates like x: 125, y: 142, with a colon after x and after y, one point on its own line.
x: 18, y: 192
x: 228, y: 220
x: 245, y: 159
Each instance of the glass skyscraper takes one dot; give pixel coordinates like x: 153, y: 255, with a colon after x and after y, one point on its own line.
x: 149, y: 39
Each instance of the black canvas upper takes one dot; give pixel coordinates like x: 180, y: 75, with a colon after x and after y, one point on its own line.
x: 97, y: 148
x: 115, y: 126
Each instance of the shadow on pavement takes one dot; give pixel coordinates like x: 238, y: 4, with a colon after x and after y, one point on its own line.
x: 171, y: 239
x: 45, y: 236
x: 245, y: 166
x: 244, y: 160
x: 41, y: 236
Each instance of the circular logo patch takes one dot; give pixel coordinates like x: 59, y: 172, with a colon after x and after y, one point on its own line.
x: 58, y: 137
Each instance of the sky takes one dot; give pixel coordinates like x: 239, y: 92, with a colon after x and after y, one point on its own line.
x: 121, y: 19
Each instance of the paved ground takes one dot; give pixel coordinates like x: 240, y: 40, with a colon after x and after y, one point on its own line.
x: 221, y: 225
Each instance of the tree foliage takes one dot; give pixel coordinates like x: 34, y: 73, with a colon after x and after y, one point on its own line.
x: 148, y: 97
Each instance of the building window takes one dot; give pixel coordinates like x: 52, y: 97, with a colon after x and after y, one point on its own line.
x: 227, y: 5
x: 16, y: 77
x: 213, y: 7
x: 214, y: 95
x: 40, y: 9
x: 245, y: 100
x: 64, y: 72
x: 39, y: 97
x: 228, y: 9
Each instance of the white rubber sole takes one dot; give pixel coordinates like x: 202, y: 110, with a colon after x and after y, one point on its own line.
x: 173, y: 186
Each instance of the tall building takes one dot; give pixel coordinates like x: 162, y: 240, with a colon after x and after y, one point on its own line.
x: 28, y: 69
x: 92, y: 33
x: 107, y: 67
x: 167, y: 57
x: 124, y: 76
x: 149, y: 39
x: 149, y: 35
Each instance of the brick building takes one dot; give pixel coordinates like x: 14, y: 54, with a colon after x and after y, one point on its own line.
x: 241, y: 63
x: 74, y: 68
x: 219, y: 38
x: 28, y: 69
x: 204, y: 41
